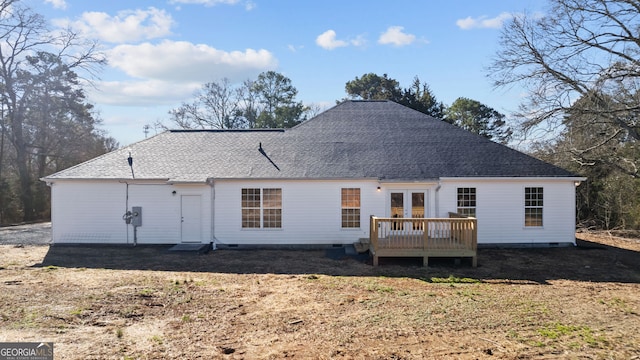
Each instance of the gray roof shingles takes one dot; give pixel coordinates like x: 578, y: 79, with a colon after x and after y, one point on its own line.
x: 353, y: 140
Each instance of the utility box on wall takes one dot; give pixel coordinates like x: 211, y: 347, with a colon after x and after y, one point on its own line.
x: 136, y: 216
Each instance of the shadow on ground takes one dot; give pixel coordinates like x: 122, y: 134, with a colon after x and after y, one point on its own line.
x: 589, y: 261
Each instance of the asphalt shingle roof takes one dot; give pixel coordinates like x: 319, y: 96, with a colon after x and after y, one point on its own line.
x: 355, y: 139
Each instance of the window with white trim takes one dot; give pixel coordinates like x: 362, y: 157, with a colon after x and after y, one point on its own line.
x: 533, y: 206
x: 467, y: 202
x: 272, y: 208
x: 350, y: 199
x: 261, y: 208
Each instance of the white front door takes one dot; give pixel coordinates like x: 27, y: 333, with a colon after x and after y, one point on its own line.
x: 407, y: 204
x: 191, y: 218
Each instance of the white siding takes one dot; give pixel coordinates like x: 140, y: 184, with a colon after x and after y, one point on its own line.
x: 88, y: 212
x: 500, y: 210
x: 91, y: 212
x: 311, y: 212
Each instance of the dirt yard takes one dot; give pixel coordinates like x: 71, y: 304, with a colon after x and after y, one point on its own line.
x: 146, y: 303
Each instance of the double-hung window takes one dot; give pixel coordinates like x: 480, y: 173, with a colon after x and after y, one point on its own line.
x: 467, y: 202
x: 261, y: 208
x: 350, y: 208
x: 533, y: 206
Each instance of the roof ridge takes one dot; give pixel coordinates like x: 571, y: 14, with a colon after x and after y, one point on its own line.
x: 224, y: 130
x: 370, y: 100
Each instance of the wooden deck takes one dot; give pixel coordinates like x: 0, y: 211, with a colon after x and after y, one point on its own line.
x: 424, y: 237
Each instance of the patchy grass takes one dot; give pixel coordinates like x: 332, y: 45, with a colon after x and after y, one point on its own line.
x: 621, y: 305
x: 453, y: 280
x: 572, y: 335
x: 136, y: 303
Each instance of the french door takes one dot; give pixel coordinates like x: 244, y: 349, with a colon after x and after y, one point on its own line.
x: 407, y: 204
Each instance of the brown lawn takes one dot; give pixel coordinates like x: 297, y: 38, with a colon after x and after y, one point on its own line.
x: 146, y: 303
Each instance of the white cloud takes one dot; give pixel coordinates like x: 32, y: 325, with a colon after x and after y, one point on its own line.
x: 248, y: 5
x: 359, y: 41
x: 125, y: 27
x: 58, y: 4
x: 483, y: 22
x: 327, y: 40
x: 396, y: 37
x: 145, y: 92
x: 184, y: 62
x: 205, y: 2
x: 294, y: 48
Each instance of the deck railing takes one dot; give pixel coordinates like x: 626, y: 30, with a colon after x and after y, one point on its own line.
x: 455, y: 236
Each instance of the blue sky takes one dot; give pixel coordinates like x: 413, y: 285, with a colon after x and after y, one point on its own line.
x: 161, y: 51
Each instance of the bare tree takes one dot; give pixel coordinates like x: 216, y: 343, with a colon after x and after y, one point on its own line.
x: 249, y: 103
x: 215, y: 106
x: 268, y: 102
x: 580, y: 50
x: 29, y: 53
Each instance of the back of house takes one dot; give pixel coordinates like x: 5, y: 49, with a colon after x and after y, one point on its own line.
x: 318, y: 183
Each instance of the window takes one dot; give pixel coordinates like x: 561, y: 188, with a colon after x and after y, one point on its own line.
x: 272, y: 208
x: 467, y: 201
x: 250, y: 208
x: 351, y: 208
x: 533, y: 206
x: 261, y: 214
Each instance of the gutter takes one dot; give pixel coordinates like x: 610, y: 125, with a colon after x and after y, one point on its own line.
x: 514, y: 178
x: 158, y: 180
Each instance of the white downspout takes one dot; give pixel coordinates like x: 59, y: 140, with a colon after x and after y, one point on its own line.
x: 437, y: 200
x: 213, y: 213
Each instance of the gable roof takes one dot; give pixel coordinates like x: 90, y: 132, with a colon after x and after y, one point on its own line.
x: 353, y: 140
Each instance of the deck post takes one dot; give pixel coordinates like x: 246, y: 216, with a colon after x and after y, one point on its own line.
x: 373, y: 239
x: 474, y: 239
x: 373, y: 232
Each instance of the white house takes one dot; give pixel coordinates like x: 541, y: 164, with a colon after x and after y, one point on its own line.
x: 317, y: 183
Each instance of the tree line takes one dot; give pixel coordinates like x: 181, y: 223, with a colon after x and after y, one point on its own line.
x: 270, y: 102
x: 46, y: 124
x: 580, y: 64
